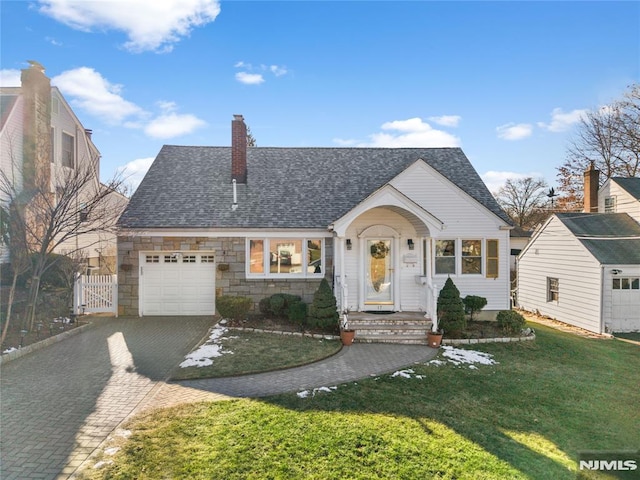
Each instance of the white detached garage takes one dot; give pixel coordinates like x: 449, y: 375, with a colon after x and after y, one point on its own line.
x: 177, y: 283
x: 584, y: 269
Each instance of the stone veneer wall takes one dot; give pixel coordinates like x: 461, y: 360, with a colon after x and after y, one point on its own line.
x: 230, y: 252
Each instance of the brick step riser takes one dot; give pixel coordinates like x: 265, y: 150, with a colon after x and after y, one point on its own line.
x: 355, y: 323
x: 405, y: 341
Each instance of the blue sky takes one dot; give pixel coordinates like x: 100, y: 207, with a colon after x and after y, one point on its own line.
x: 506, y: 81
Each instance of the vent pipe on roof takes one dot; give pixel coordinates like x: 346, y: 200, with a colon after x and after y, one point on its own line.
x: 234, y: 205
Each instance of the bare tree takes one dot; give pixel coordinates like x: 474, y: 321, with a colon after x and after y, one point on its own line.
x: 523, y: 200
x: 610, y: 139
x: 52, y: 212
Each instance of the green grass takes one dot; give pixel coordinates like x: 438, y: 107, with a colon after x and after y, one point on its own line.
x: 255, y: 352
x: 635, y: 336
x: 527, y: 417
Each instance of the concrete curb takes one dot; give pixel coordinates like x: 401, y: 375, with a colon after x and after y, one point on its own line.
x: 475, y: 341
x: 21, y: 352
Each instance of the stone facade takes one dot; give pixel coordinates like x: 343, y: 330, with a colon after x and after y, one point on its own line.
x: 230, y: 269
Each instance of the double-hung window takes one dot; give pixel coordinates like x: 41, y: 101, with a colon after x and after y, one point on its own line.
x: 467, y: 257
x: 285, y: 257
x: 472, y: 256
x: 553, y: 289
x: 68, y: 150
x: 445, y: 257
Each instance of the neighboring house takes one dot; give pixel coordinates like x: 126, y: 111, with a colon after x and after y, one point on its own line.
x: 584, y: 268
x: 40, y: 136
x: 386, y: 227
x: 519, y: 239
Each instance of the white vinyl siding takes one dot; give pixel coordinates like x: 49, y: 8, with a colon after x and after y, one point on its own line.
x: 624, y: 202
x: 556, y: 253
x: 464, y: 218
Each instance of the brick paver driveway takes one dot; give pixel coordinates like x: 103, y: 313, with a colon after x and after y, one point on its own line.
x: 59, y: 403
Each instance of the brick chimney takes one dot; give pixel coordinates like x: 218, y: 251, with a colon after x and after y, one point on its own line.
x: 36, y: 92
x: 238, y: 149
x: 591, y: 186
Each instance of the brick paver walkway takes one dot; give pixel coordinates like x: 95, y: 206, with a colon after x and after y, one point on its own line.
x: 60, y: 403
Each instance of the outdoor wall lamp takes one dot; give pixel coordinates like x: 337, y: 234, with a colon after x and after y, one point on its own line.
x: 616, y: 271
x: 411, y: 244
x: 349, y: 245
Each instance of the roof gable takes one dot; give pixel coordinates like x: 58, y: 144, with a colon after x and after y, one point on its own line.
x: 190, y: 187
x: 630, y: 185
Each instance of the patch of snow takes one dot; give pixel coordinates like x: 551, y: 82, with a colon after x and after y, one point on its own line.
x: 203, y: 355
x: 306, y: 393
x: 10, y: 349
x: 457, y: 356
x: 223, y: 321
x: 112, y: 450
x: 473, y: 367
x: 437, y: 363
x: 123, y: 433
x: 403, y: 373
x: 101, y: 464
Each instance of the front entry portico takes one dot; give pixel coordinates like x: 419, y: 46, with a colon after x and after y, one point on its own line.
x: 382, y: 256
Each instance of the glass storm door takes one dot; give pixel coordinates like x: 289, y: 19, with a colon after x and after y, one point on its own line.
x: 378, y: 272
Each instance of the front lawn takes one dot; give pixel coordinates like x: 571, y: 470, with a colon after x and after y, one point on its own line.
x: 526, y: 417
x: 242, y: 352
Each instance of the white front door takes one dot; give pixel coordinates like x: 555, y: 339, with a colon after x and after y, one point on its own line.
x: 378, y: 274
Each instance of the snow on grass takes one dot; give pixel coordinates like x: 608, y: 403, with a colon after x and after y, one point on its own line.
x: 460, y: 357
x: 306, y: 393
x: 10, y: 349
x: 203, y: 355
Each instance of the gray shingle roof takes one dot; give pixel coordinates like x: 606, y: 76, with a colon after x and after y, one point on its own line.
x: 612, y: 238
x: 190, y: 187
x: 631, y: 185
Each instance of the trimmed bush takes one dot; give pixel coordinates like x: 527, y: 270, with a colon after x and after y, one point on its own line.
x: 234, y: 308
x: 297, y: 312
x: 473, y: 304
x: 323, y: 312
x: 278, y: 304
x: 451, y: 317
x: 510, y: 322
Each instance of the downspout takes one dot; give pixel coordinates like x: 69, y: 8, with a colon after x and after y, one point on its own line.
x: 602, y: 326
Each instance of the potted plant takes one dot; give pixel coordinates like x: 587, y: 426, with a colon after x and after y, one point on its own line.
x: 346, y: 334
x: 434, y: 336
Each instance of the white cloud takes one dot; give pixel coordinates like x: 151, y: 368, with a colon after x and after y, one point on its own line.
x: 9, y: 77
x: 512, y: 131
x: 249, y: 78
x: 562, y: 121
x: 150, y: 25
x: 134, y: 171
x: 53, y: 41
x: 447, y: 120
x: 413, y: 132
x: 495, y: 179
x: 90, y: 91
x: 169, y: 125
x: 277, y: 70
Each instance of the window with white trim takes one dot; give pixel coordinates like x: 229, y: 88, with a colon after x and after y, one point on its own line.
x: 472, y: 256
x: 152, y: 258
x: 626, y: 283
x: 285, y: 257
x: 610, y: 205
x: 445, y: 257
x: 553, y: 289
x: 68, y: 150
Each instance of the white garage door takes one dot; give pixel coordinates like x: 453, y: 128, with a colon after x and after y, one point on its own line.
x: 180, y: 283
x: 625, y: 300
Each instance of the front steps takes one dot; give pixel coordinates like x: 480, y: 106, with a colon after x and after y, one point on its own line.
x: 397, y: 327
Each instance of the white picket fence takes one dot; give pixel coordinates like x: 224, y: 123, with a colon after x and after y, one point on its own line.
x: 95, y: 294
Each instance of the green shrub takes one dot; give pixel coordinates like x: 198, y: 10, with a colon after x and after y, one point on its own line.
x: 473, y: 304
x: 278, y: 304
x: 451, y: 317
x: 234, y: 308
x: 323, y: 312
x: 297, y: 312
x: 510, y: 322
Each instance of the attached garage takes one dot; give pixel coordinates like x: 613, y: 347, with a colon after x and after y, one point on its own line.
x: 625, y: 302
x: 177, y: 283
